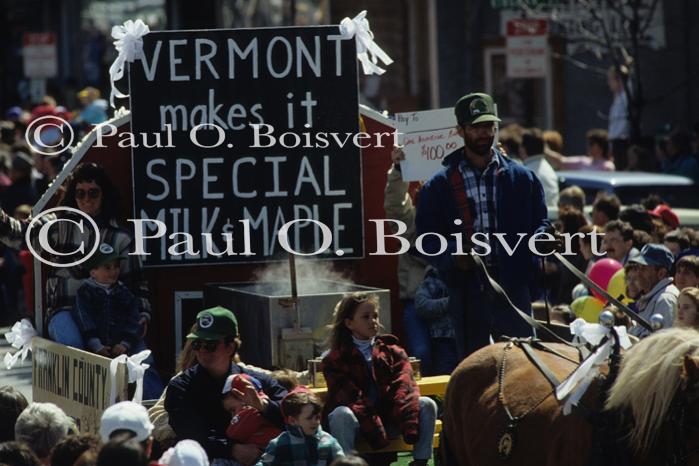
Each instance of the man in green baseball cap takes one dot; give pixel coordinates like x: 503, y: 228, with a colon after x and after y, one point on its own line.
x: 480, y: 196
x: 215, y: 323
x: 476, y: 117
x: 193, y: 398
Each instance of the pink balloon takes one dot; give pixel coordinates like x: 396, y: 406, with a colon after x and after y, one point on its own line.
x: 601, y: 272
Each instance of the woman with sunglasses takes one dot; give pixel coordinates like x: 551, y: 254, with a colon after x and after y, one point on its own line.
x: 89, y: 190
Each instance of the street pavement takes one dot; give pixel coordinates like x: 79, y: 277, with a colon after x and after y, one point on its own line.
x: 19, y: 376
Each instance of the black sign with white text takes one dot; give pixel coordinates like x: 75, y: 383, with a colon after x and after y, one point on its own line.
x: 239, y: 132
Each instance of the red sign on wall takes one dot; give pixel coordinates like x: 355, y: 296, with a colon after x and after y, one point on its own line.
x: 40, y: 55
x: 527, y: 48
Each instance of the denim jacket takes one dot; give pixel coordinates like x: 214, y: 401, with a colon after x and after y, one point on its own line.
x: 107, y: 316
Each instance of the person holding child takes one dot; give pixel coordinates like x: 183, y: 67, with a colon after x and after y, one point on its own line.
x: 304, y: 441
x: 193, y: 398
x: 107, y: 315
x: 371, y: 388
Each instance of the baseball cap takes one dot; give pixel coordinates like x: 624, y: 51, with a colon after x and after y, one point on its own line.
x: 126, y: 415
x: 654, y: 254
x: 13, y: 113
x: 237, y: 381
x: 215, y: 323
x: 89, y: 92
x: 665, y: 213
x: 186, y: 453
x: 475, y: 108
x: 103, y: 255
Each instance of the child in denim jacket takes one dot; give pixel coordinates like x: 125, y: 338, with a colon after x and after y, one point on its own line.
x: 105, y: 311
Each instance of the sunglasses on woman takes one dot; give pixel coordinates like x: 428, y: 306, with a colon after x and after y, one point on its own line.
x: 207, y: 345
x: 92, y: 193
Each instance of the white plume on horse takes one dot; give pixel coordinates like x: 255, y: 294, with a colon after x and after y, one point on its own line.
x: 650, y: 375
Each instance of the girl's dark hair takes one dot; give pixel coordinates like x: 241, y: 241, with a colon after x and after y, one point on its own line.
x: 67, y: 451
x: 17, y: 454
x: 570, y: 221
x: 86, y: 172
x: 122, y: 450
x: 340, y: 335
x: 12, y: 403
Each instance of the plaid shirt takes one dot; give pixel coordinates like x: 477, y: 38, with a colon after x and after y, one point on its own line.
x: 350, y: 384
x: 481, y: 189
x: 293, y: 448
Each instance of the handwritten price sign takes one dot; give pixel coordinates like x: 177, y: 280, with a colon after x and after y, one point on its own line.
x: 429, y: 137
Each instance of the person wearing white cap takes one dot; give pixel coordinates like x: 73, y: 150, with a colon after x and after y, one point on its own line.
x: 185, y: 453
x: 127, y: 416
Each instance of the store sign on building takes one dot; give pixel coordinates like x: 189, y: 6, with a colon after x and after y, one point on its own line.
x: 574, y: 21
x: 527, y: 48
x: 40, y: 55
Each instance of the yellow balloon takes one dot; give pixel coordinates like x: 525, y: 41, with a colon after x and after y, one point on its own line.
x: 588, y: 308
x: 617, y: 286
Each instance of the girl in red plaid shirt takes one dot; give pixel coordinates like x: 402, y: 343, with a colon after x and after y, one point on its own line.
x: 371, y: 388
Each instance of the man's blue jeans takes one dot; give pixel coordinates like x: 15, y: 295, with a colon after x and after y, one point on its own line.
x: 344, y: 426
x: 445, y: 356
x: 417, y: 337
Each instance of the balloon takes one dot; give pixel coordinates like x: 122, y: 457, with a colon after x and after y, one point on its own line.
x: 601, y: 272
x: 579, y: 291
x: 587, y: 307
x: 617, y: 286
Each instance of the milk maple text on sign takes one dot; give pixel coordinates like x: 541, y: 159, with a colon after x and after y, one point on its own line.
x: 220, y: 194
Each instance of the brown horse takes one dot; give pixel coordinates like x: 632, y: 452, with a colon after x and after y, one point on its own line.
x: 658, y: 376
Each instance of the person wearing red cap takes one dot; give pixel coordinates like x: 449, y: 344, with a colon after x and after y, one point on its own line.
x: 667, y: 215
x: 247, y: 426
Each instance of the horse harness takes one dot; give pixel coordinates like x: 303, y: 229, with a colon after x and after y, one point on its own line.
x: 507, y: 440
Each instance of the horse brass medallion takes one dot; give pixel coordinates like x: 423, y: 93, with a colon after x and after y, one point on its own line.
x: 506, y: 443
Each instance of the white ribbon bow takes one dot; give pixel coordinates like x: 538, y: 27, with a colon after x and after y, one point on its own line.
x: 20, y: 337
x: 368, y: 51
x: 129, y: 45
x: 577, y: 383
x: 135, y: 368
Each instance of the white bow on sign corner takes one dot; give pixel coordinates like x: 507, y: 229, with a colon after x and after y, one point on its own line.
x: 368, y: 51
x: 20, y: 337
x: 135, y: 369
x: 129, y: 45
